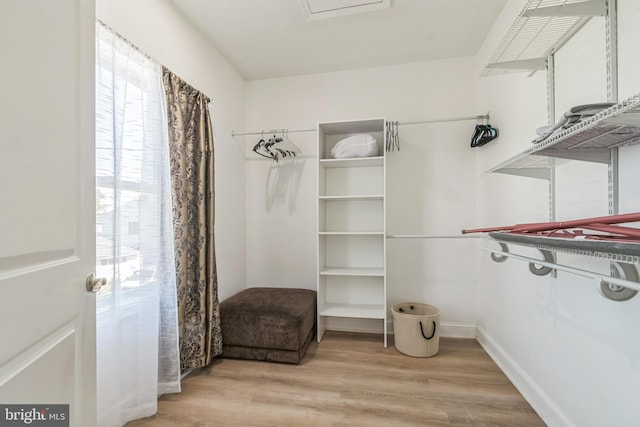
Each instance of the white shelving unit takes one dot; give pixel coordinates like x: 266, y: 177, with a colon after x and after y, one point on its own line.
x: 351, y: 228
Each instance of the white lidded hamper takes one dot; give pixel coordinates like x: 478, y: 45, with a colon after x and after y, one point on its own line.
x: 416, y: 329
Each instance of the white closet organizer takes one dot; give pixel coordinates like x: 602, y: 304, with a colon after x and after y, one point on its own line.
x: 351, y: 228
x: 593, y: 140
x: 540, y: 30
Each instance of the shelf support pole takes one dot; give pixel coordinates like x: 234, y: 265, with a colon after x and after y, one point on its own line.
x: 551, y: 89
x: 611, y: 28
x: 551, y: 116
x: 611, y: 46
x: 552, y: 211
x: 612, y: 96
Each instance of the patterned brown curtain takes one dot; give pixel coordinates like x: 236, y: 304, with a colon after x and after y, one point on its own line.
x: 192, y: 179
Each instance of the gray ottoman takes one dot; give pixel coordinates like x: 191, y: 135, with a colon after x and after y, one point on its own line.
x: 273, y: 324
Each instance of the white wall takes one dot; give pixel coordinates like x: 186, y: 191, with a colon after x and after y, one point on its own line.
x: 431, y: 182
x: 628, y: 85
x: 573, y: 354
x: 162, y: 32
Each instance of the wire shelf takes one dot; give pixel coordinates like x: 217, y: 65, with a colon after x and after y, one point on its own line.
x: 593, y: 248
x: 534, y: 34
x: 525, y: 164
x: 589, y: 140
x: 613, y: 127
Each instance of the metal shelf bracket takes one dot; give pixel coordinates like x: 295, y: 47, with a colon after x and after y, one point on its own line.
x: 540, y: 270
x: 534, y: 267
x: 622, y: 285
x: 533, y: 64
x: 500, y: 258
x: 616, y: 292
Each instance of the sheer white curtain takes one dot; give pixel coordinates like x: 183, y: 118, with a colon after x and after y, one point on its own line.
x: 137, y: 328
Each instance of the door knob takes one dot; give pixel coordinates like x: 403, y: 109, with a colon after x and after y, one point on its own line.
x: 94, y: 284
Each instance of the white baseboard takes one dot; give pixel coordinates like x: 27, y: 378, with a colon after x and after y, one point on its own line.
x: 532, y: 392
x: 457, y: 330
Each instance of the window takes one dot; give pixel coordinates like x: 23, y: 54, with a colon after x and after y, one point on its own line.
x: 132, y: 166
x: 134, y: 227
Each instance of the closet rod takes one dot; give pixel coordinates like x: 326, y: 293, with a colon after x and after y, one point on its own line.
x: 577, y: 271
x: 234, y: 133
x: 433, y: 236
x: 452, y: 119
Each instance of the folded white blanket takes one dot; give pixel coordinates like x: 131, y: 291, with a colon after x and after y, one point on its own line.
x: 360, y: 145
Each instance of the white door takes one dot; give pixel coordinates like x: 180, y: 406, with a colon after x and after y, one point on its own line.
x: 47, y: 219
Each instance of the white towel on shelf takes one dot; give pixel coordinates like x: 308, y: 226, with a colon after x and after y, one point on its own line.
x: 360, y: 145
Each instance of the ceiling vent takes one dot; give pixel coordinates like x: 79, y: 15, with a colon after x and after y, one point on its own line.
x: 321, y: 9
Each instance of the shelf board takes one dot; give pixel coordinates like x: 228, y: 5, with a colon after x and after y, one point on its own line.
x: 590, y: 140
x: 613, y: 251
x: 348, y: 198
x: 354, y: 162
x: 352, y: 126
x: 360, y: 311
x: 372, y: 272
x: 541, y: 28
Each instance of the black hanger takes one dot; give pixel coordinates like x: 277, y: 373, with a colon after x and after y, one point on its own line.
x: 482, y: 134
x: 489, y: 134
x: 477, y: 134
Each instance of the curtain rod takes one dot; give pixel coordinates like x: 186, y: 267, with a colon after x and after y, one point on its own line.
x: 146, y: 55
x: 432, y: 236
x: 452, y: 119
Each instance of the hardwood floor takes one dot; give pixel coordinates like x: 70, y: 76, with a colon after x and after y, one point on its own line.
x: 350, y: 380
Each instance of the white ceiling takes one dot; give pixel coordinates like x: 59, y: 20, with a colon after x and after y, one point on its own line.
x: 273, y: 38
